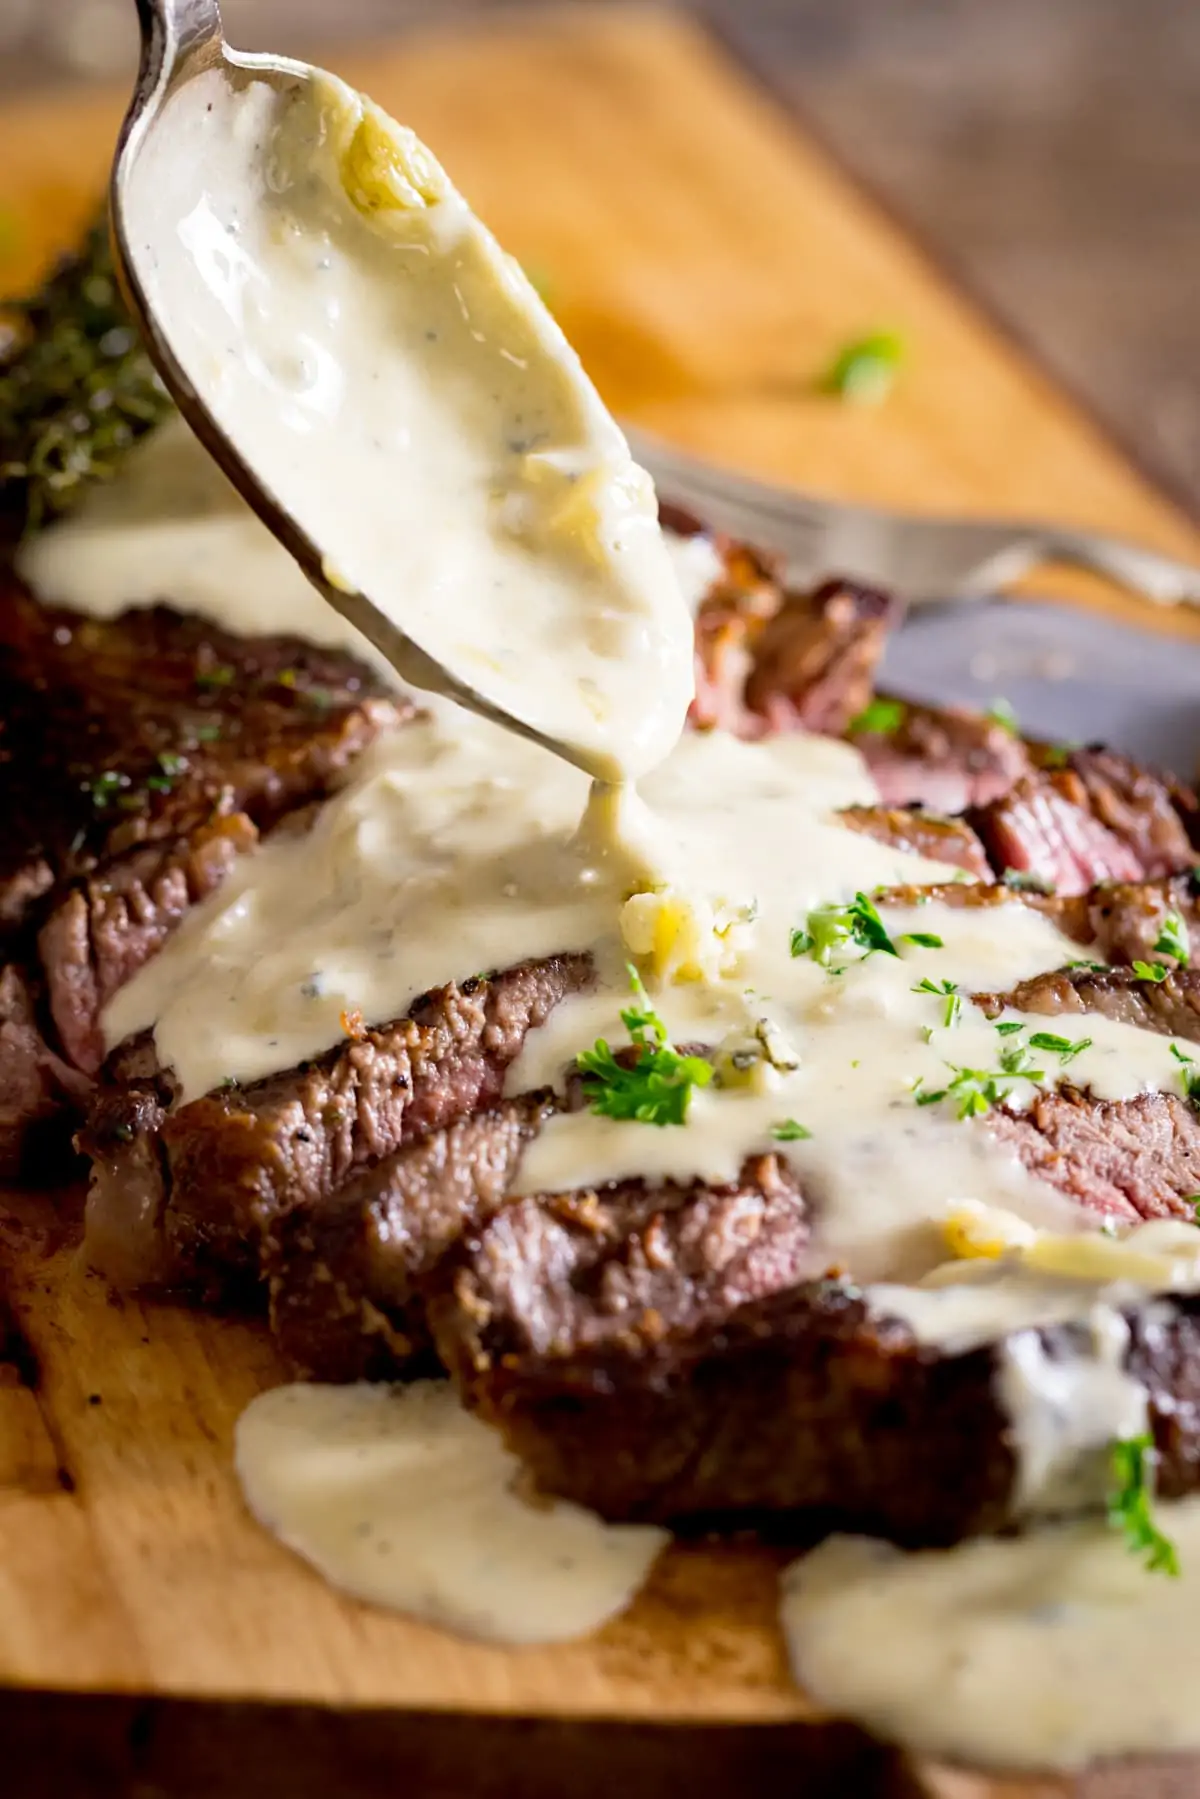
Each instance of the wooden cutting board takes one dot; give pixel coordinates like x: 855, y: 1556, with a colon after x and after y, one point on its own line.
x: 707, y: 261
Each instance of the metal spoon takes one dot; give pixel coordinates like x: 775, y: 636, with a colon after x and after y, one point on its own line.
x: 182, y: 39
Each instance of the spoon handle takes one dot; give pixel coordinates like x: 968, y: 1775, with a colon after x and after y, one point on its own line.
x: 173, y: 33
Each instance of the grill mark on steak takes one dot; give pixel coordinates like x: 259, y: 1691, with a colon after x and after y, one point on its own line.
x: 1170, y: 1007
x: 1127, y: 1159
x: 234, y: 1160
x: 925, y: 833
x: 347, y: 1277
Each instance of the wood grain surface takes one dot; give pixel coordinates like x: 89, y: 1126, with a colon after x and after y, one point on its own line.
x: 705, y: 259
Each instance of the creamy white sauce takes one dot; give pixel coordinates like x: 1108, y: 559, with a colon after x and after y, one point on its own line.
x: 171, y: 529
x: 393, y: 380
x: 1044, y: 1651
x: 399, y: 1497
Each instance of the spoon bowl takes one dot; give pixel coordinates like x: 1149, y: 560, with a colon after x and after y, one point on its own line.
x: 182, y: 44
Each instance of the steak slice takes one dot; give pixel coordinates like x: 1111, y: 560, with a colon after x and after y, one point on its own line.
x: 224, y: 1167
x: 1151, y: 812
x: 812, y: 664
x: 618, y: 1265
x: 113, y: 921
x: 727, y: 620
x: 138, y: 757
x: 801, y: 1403
x: 943, y: 757
x: 1170, y: 1007
x: 347, y: 1276
x: 117, y: 732
x: 36, y: 1087
x: 1043, y: 828
x: 941, y: 839
x: 1127, y: 1159
x: 1127, y: 918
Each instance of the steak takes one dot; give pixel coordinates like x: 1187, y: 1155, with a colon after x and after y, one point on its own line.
x: 1099, y: 819
x: 812, y: 664
x: 1127, y: 1159
x: 941, y: 839
x: 1171, y: 1006
x: 943, y: 757
x: 347, y: 1278
x: 139, y: 757
x: 802, y: 1402
x: 215, y: 1174
x: 37, y: 1087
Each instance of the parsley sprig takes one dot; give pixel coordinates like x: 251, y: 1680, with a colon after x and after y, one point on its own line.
x: 655, y: 1085
x: 943, y: 989
x: 788, y: 1130
x: 880, y: 718
x: 975, y: 1091
x: 1173, y: 939
x: 1129, y: 1504
x: 1151, y: 971
x: 828, y: 928
x: 1065, y: 1048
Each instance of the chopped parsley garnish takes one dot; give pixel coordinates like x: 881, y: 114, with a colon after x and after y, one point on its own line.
x: 1129, y: 1503
x: 865, y: 368
x: 946, y: 989
x: 789, y: 1131
x: 1001, y: 713
x: 105, y: 787
x: 221, y: 674
x: 1151, y: 971
x: 1173, y: 939
x: 1188, y: 1074
x: 1096, y: 967
x: 975, y: 1091
x: 1179, y: 1054
x: 830, y: 927
x: 1020, y: 880
x: 1008, y: 1027
x: 170, y: 767
x: 1058, y: 755
x: 881, y: 718
x: 1065, y: 1048
x: 656, y: 1085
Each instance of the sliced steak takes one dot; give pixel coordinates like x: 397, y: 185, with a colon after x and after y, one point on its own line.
x: 801, y: 1403
x: 1043, y: 828
x: 813, y: 662
x: 941, y: 839
x: 138, y: 757
x: 620, y: 1264
x: 230, y: 1163
x: 111, y: 923
x: 1127, y: 918
x: 1151, y: 812
x: 1128, y: 1159
x: 116, y: 732
x: 1070, y: 915
x: 37, y: 1087
x: 943, y: 757
x: 347, y: 1276
x: 1170, y: 1007
x: 727, y: 621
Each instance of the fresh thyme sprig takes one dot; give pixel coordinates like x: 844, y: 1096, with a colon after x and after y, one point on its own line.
x: 76, y: 387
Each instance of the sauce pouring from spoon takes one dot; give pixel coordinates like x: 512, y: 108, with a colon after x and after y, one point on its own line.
x: 388, y: 392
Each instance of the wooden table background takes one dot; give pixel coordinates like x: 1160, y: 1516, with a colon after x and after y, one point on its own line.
x: 1048, y: 150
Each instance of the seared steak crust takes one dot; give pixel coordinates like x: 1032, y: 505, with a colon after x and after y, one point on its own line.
x: 347, y: 1277
x: 1171, y: 1006
x: 943, y: 757
x: 138, y: 757
x: 799, y: 1404
x: 813, y: 662
x: 233, y: 1161
x: 925, y: 833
